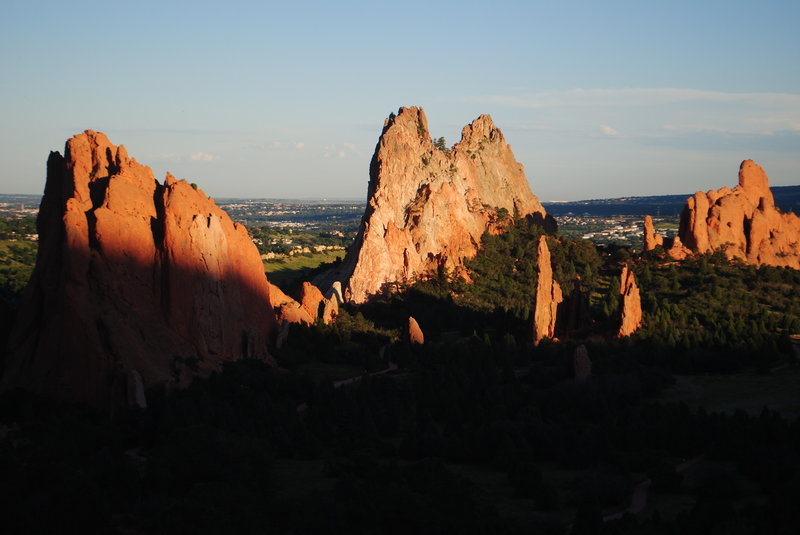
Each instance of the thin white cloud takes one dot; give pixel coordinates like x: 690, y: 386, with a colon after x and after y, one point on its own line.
x: 285, y: 145
x: 634, y: 96
x: 342, y: 151
x: 655, y: 113
x: 203, y: 157
x: 608, y: 131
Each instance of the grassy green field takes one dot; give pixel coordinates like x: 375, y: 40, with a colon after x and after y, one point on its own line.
x: 16, y: 264
x: 291, y: 269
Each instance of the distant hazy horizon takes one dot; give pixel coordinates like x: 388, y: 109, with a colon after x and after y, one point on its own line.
x: 287, y: 100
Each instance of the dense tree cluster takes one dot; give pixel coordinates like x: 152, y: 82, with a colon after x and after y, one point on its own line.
x: 258, y: 448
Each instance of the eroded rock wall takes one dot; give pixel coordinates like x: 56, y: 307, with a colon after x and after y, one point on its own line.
x: 135, y: 282
x: 743, y: 222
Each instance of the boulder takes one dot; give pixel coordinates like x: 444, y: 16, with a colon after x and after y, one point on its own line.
x: 330, y: 311
x: 413, y: 332
x: 311, y: 299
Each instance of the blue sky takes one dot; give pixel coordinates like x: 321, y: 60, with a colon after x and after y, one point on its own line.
x: 287, y: 99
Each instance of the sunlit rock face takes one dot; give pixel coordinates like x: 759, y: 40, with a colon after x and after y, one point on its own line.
x: 428, y: 207
x: 414, y: 333
x: 136, y: 283
x: 651, y: 238
x: 548, y: 296
x: 743, y: 222
x: 631, y: 304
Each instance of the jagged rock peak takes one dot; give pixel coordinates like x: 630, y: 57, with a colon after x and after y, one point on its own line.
x: 743, y: 222
x: 631, y: 305
x: 548, y: 296
x: 427, y: 208
x: 651, y: 238
x: 136, y: 283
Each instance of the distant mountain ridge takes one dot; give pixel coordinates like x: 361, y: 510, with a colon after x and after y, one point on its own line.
x: 787, y: 198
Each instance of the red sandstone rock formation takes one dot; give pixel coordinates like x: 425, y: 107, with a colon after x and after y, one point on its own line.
x: 413, y: 332
x: 631, y: 306
x: 311, y: 299
x: 287, y: 310
x: 743, y: 222
x: 428, y: 208
x: 677, y: 250
x: 548, y: 296
x: 136, y: 283
x: 651, y: 238
x: 311, y: 306
x: 330, y: 310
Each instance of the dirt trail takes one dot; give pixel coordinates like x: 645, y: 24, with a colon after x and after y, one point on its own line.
x: 639, y: 496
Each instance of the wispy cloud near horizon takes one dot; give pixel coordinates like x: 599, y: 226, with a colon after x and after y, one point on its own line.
x: 203, y: 157
x: 579, y: 97
x: 654, y: 110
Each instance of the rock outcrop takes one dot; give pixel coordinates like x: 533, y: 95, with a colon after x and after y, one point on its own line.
x: 136, y: 283
x: 317, y: 305
x: 330, y: 310
x: 743, y: 222
x: 677, y: 250
x: 311, y: 299
x: 428, y: 207
x: 581, y: 364
x: 548, y: 296
x: 287, y: 310
x: 651, y: 238
x: 631, y: 305
x: 414, y: 332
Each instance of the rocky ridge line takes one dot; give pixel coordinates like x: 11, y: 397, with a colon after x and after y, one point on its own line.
x: 427, y: 207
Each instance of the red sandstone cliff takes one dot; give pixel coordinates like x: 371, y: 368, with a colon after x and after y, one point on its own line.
x: 136, y: 283
x: 428, y: 208
x: 743, y: 222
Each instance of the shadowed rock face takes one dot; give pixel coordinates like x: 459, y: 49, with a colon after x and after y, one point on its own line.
x: 428, y: 208
x: 135, y: 282
x: 743, y: 222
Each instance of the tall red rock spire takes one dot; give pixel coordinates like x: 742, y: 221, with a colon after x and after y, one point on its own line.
x: 427, y: 208
x: 548, y: 296
x: 631, y: 305
x: 136, y: 283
